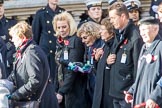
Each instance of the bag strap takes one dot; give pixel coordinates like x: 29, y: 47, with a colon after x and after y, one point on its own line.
x: 39, y: 99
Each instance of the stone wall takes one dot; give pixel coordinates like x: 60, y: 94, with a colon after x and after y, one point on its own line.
x: 23, y: 9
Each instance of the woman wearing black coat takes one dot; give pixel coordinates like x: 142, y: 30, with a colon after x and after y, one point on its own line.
x: 101, y: 98
x: 72, y: 85
x: 90, y: 34
x: 31, y: 69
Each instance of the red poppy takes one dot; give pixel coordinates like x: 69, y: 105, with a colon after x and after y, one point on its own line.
x: 66, y: 42
x: 125, y: 41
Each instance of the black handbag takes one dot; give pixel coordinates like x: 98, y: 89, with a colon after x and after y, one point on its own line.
x: 29, y: 104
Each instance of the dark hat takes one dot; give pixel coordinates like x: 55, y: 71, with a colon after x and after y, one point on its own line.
x: 92, y: 3
x: 148, y: 20
x: 1, y: 1
x: 132, y: 4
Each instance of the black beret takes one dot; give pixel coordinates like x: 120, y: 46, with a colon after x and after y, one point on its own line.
x: 148, y: 21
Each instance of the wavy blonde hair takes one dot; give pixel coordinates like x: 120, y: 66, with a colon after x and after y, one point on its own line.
x: 90, y: 28
x: 65, y: 16
x: 21, y: 29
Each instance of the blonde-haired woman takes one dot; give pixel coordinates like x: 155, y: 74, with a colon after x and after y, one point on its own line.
x: 31, y: 69
x: 71, y: 85
x: 89, y: 32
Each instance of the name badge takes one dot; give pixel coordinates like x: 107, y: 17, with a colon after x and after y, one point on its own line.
x: 65, y: 55
x: 91, y: 59
x: 123, y: 58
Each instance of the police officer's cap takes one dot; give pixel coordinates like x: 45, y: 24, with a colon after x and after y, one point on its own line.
x: 92, y: 3
x: 148, y: 20
x: 1, y: 1
x: 132, y: 4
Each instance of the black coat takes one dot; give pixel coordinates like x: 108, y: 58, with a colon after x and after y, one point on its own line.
x: 122, y: 75
x: 148, y: 82
x: 3, y: 59
x: 89, y: 57
x: 5, y: 25
x: 101, y: 98
x: 154, y: 3
x: 30, y: 74
x: 44, y: 33
x: 74, y: 83
x: 160, y: 30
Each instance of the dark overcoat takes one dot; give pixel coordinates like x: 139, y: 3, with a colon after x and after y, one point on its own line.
x: 5, y: 25
x: 3, y: 59
x: 43, y: 33
x: 101, y: 98
x: 30, y: 75
x: 74, y: 86
x: 122, y: 75
x: 148, y: 84
x: 160, y: 29
x: 89, y: 57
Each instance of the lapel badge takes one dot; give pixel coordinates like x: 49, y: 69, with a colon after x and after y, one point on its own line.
x: 151, y: 58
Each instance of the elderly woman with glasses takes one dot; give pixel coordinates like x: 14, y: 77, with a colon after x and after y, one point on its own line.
x: 70, y: 49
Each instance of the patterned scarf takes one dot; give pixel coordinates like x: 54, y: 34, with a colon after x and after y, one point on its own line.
x: 19, y: 50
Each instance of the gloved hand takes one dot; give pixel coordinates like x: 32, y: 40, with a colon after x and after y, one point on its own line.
x: 13, y: 96
x: 72, y: 66
x: 75, y: 66
x: 87, y: 68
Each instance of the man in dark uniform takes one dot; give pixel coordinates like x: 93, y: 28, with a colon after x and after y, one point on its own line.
x: 94, y: 11
x: 134, y: 8
x: 5, y: 24
x: 148, y: 85
x: 3, y: 53
x: 124, y: 56
x: 44, y: 33
x: 159, y: 12
x: 153, y: 7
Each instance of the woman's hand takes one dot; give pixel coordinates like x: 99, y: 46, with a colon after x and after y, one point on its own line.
x: 98, y: 53
x: 111, y: 59
x: 59, y: 98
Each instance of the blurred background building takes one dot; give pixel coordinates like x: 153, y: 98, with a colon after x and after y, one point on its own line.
x: 25, y: 9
